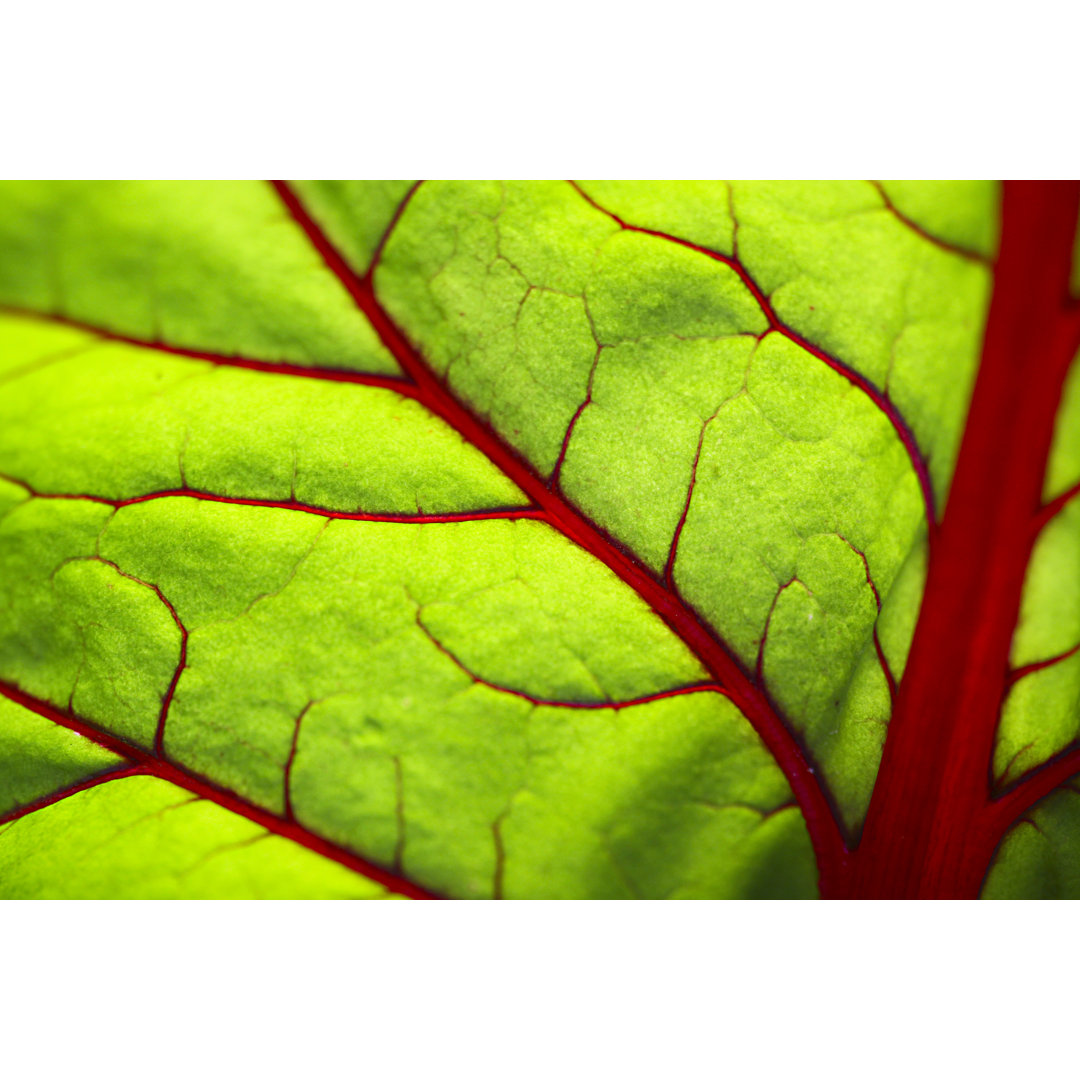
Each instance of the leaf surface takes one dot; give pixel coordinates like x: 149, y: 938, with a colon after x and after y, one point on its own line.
x: 80, y: 822
x: 535, y: 539
x: 1039, y: 858
x: 431, y: 695
x: 198, y: 265
x: 1041, y: 713
x: 767, y: 488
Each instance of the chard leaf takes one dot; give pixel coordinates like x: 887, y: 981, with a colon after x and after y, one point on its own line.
x: 1041, y: 712
x: 80, y: 822
x: 195, y: 265
x: 759, y: 481
x: 1039, y: 858
x: 612, y: 539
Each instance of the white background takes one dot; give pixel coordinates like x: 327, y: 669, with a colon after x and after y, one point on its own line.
x: 551, y: 990
x: 662, y: 88
x: 538, y: 991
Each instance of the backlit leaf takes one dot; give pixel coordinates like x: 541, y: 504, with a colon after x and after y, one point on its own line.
x: 536, y: 539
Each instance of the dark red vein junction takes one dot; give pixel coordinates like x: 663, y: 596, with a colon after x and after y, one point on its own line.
x: 933, y: 824
x: 152, y: 764
x: 1038, y: 665
x: 117, y: 772
x: 777, y: 325
x: 1053, y: 508
x: 737, y: 684
x: 661, y: 695
x: 384, y: 382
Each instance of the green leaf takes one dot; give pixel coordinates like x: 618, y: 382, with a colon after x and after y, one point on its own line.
x: 149, y: 422
x: 1039, y: 859
x: 196, y: 264
x: 355, y: 213
x: 1041, y: 712
x: 773, y: 491
x: 251, y: 532
x: 77, y: 822
x: 38, y: 758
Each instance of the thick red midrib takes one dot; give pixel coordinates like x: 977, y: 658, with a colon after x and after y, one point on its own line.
x: 752, y: 702
x: 150, y: 765
x: 931, y: 827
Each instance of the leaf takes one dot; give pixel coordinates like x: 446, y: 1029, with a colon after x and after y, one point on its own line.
x: 1039, y: 859
x: 199, y: 265
x: 526, y: 540
x: 1041, y: 712
x: 40, y: 758
x: 98, y: 829
x: 676, y: 403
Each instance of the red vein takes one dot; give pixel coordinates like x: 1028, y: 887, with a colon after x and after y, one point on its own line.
x: 931, y: 828
x: 166, y: 701
x: 661, y: 695
x: 1054, y: 507
x: 759, y: 666
x: 883, y: 663
x: 511, y: 513
x: 777, y: 325
x: 1014, y: 759
x: 376, y: 255
x: 1036, y: 784
x: 500, y: 857
x: 915, y: 227
x: 676, y: 536
x: 1019, y: 673
x: 205, y: 789
x: 556, y: 472
x: 114, y: 772
x: 358, y: 288
x: 680, y: 617
x: 383, y: 382
x: 286, y: 782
